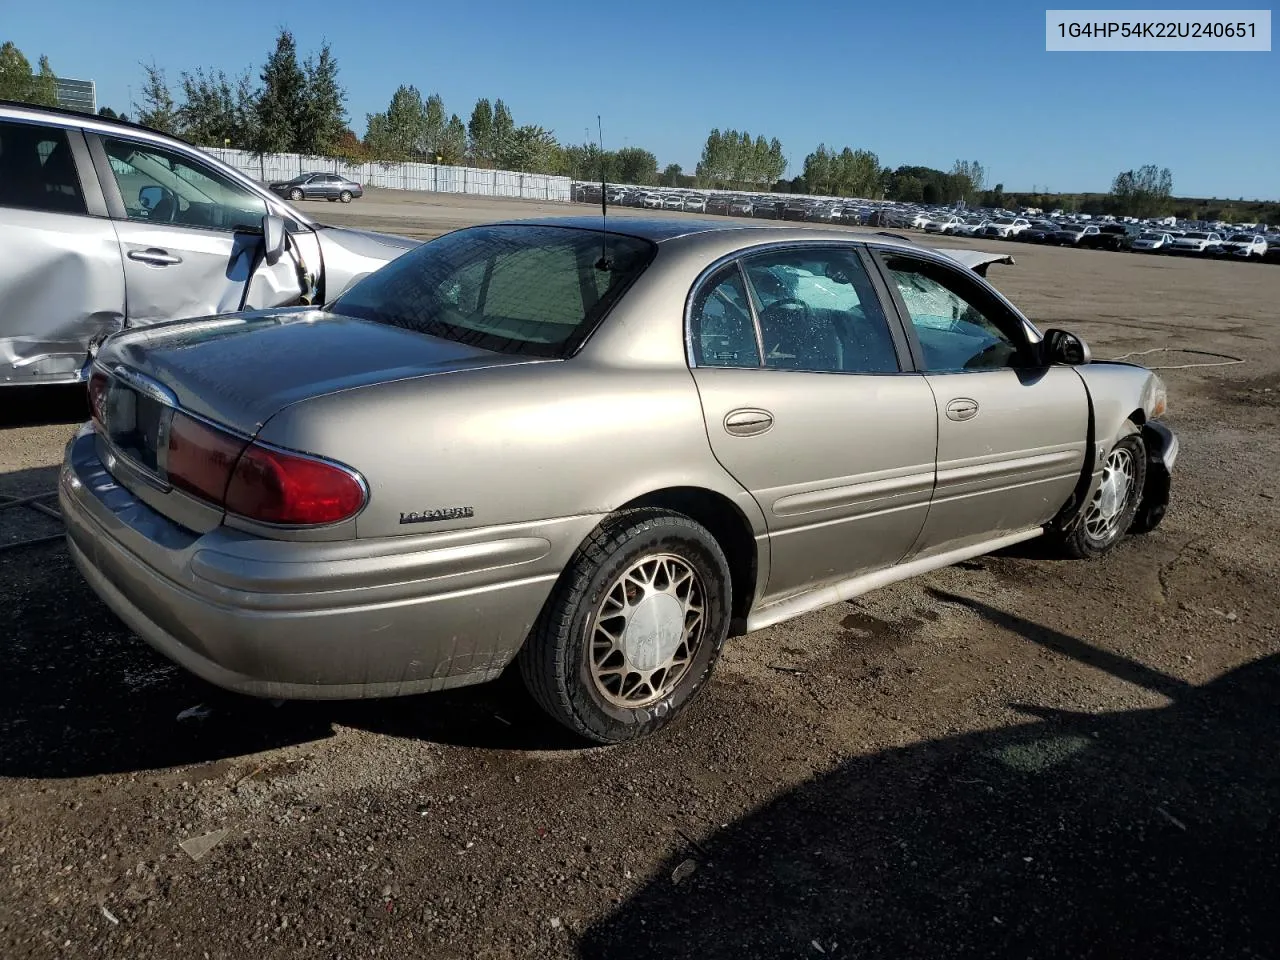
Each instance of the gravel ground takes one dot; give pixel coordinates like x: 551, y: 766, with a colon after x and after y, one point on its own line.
x: 1016, y: 757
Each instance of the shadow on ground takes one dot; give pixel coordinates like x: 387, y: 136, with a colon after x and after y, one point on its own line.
x: 80, y: 694
x: 1151, y: 833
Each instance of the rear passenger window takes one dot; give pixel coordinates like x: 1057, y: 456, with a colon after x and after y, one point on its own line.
x: 37, y: 170
x: 819, y: 312
x: 721, y: 330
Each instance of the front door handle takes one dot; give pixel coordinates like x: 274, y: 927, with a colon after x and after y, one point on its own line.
x: 962, y: 408
x: 748, y: 422
x: 155, y: 256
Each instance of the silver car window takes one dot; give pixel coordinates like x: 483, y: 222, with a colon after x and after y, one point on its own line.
x: 721, y: 330
x: 952, y: 320
x: 37, y: 170
x: 818, y: 312
x: 160, y: 186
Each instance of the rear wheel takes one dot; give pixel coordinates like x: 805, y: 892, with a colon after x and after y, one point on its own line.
x: 345, y: 196
x: 1110, y: 512
x: 633, y: 628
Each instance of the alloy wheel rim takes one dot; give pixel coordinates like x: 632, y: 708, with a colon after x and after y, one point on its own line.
x: 1108, y: 505
x: 646, y: 631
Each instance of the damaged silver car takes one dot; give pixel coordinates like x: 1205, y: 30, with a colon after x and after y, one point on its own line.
x: 106, y: 225
x: 597, y: 452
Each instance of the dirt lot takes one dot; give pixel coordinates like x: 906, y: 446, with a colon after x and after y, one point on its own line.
x: 1016, y: 757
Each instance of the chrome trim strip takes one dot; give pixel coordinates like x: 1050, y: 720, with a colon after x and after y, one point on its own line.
x: 867, y: 492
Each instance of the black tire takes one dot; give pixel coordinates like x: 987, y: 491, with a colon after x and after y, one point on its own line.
x: 295, y: 194
x: 345, y: 196
x: 1079, y: 542
x: 554, y: 661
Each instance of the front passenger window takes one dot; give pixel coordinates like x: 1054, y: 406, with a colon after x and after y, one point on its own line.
x: 158, y: 186
x: 955, y: 334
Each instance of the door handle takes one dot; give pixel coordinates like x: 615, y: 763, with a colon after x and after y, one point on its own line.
x: 962, y: 408
x: 747, y: 422
x: 155, y: 256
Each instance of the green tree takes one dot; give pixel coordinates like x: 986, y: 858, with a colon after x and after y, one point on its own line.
x: 211, y: 113
x: 671, y: 175
x: 433, y: 124
x: 636, y: 165
x: 503, y: 127
x: 396, y: 134
x: 971, y: 178
x: 281, y: 104
x: 18, y: 82
x: 44, y: 89
x: 157, y: 109
x: 480, y: 133
x: 453, y: 145
x: 323, y: 117
x: 529, y: 149
x: 1145, y: 192
x: 109, y: 114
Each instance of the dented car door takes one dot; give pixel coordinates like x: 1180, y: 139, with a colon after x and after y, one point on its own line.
x: 52, y: 224
x: 189, y: 236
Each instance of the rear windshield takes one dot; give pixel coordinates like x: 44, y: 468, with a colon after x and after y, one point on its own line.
x: 532, y: 290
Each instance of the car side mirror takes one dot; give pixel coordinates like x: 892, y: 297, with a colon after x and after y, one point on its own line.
x: 272, y: 238
x: 1060, y: 346
x: 149, y: 197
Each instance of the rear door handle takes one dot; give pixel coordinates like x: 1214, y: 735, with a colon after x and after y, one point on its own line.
x: 962, y: 408
x: 747, y: 422
x: 155, y: 256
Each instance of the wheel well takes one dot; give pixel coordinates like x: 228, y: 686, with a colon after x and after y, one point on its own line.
x: 728, y: 525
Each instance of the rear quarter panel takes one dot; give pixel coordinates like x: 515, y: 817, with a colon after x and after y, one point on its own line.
x: 527, y: 442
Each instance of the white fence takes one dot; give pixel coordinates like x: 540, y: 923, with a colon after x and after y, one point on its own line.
x: 401, y: 176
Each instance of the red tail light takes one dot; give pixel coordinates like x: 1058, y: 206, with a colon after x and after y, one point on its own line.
x: 272, y: 486
x: 201, y: 457
x: 98, y: 382
x: 259, y: 482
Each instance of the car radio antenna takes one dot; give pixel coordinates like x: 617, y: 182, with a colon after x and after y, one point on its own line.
x: 603, y: 263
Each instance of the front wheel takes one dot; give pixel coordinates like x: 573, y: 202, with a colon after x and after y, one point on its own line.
x: 1110, y: 512
x: 295, y: 194
x: 633, y: 627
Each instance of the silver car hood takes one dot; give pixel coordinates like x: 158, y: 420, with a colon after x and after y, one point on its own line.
x: 350, y: 255
x: 241, y: 369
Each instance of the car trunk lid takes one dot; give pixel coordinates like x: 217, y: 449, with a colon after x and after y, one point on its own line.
x: 240, y: 370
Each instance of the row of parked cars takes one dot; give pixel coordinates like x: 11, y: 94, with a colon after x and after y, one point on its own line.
x: 759, y: 206
x: 1111, y: 235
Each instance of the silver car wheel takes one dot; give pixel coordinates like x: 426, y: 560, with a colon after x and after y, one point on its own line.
x: 646, y: 631
x: 1112, y: 497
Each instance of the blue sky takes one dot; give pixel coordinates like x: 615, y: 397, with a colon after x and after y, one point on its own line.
x: 925, y: 82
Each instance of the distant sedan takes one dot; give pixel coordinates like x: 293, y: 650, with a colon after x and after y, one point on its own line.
x: 318, y: 186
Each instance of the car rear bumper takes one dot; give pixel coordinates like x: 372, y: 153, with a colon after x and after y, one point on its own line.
x: 327, y: 619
